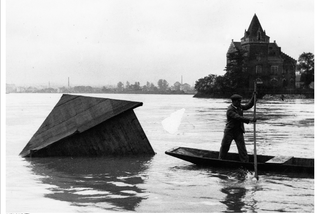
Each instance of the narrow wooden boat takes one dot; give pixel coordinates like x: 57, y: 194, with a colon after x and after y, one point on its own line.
x: 280, y: 164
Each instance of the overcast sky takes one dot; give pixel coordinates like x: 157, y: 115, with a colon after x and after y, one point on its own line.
x: 102, y: 42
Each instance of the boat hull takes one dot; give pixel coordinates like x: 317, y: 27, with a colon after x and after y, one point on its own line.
x: 264, y: 162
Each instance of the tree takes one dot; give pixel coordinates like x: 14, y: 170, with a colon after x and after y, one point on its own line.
x: 136, y: 86
x: 153, y: 87
x: 305, y: 67
x: 163, y: 85
x: 206, y: 84
x: 148, y: 85
x: 120, y: 86
x: 127, y: 85
x: 177, y: 86
x: 236, y: 77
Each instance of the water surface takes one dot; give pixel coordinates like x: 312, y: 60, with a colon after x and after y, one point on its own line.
x: 161, y: 183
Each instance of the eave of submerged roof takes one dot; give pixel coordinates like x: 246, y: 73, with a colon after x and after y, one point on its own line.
x: 75, y: 114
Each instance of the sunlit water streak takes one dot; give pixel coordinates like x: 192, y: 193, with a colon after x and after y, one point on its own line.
x: 161, y: 183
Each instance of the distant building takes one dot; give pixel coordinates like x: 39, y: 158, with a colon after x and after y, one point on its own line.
x: 10, y: 88
x: 31, y: 90
x: 266, y: 61
x: 185, y: 87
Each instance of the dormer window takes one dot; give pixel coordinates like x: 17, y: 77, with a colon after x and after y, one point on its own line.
x: 259, y: 36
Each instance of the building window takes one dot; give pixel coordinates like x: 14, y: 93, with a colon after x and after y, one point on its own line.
x: 258, y: 69
x: 291, y: 82
x: 274, y: 69
x: 284, y: 83
x: 274, y: 81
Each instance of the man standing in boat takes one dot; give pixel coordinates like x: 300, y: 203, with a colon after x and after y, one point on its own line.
x: 234, y: 128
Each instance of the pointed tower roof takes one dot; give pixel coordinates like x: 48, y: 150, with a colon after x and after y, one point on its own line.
x: 255, y: 32
x: 254, y: 26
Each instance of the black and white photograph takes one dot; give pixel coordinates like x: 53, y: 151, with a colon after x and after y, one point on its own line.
x: 158, y: 106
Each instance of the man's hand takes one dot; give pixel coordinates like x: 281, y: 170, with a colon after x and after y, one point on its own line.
x: 253, y: 120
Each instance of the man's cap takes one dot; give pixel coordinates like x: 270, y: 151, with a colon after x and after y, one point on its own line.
x: 236, y: 97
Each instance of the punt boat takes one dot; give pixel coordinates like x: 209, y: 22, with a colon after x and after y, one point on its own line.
x: 266, y: 163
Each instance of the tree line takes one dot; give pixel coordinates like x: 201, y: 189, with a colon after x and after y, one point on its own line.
x: 237, y: 79
x: 161, y: 87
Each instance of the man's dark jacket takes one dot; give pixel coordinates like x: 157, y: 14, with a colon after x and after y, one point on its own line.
x: 235, y: 118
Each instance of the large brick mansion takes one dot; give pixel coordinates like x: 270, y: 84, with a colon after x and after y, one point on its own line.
x: 265, y: 60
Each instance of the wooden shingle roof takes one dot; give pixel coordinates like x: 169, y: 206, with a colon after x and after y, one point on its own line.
x: 75, y: 114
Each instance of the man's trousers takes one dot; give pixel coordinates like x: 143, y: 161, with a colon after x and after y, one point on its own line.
x: 237, y: 136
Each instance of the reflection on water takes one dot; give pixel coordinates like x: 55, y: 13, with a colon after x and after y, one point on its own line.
x: 108, y: 183
x: 239, y: 187
x: 271, y: 193
x: 234, y: 198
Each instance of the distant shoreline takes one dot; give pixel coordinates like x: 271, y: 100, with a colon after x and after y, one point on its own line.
x: 70, y: 92
x: 265, y: 97
x: 195, y: 95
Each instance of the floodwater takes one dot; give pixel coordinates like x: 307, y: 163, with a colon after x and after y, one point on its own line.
x: 161, y: 183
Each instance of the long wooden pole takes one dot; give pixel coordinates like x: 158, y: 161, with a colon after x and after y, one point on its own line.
x: 254, y: 131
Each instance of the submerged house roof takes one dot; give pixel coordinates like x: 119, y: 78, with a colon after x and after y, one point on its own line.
x: 74, y: 115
